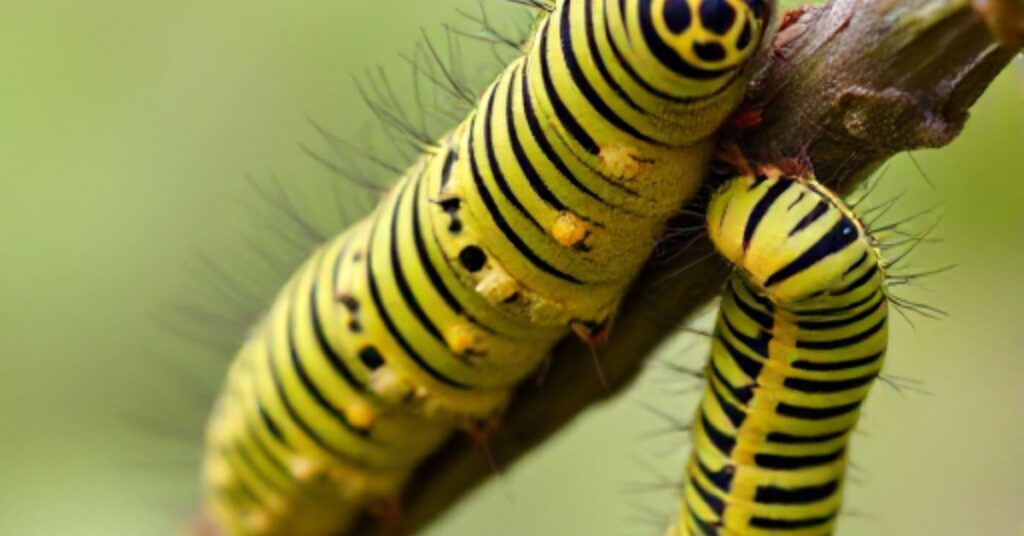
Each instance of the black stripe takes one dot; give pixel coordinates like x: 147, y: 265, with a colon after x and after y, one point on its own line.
x: 801, y: 495
x: 716, y: 504
x: 722, y: 479
x: 722, y: 441
x: 398, y: 272
x: 790, y: 524
x: 294, y: 415
x: 833, y: 311
x: 819, y: 325
x: 830, y: 366
x: 450, y: 158
x: 591, y: 95
x: 825, y: 387
x: 814, y: 215
x: 764, y: 204
x: 310, y: 386
x: 791, y: 439
x: 837, y: 344
x: 336, y: 361
x: 761, y: 318
x: 622, y: 62
x: 816, y: 414
x: 758, y: 347
x: 540, y: 136
x: 257, y: 472
x: 271, y: 424
x: 522, y: 160
x: 741, y: 394
x: 602, y: 67
x: 750, y: 366
x: 669, y: 57
x: 561, y: 111
x: 863, y: 258
x: 779, y: 462
x: 860, y: 282
x: 705, y: 527
x: 492, y: 159
x: 424, y: 257
x: 735, y: 414
x: 503, y: 225
x: 389, y: 323
x: 842, y: 234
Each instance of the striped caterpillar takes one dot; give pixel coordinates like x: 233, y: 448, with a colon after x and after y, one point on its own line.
x: 526, y: 221
x: 799, y: 340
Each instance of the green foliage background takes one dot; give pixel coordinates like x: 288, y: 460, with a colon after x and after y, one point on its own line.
x: 126, y: 131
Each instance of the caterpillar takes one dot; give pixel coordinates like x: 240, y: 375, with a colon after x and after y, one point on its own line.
x: 525, y: 222
x: 799, y: 340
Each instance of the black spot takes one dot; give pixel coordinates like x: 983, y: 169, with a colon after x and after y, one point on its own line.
x: 371, y: 358
x: 451, y: 206
x: 349, y: 301
x: 354, y: 326
x: 357, y: 256
x: 712, y: 51
x: 677, y: 16
x: 472, y: 258
x: 717, y: 15
x: 514, y: 297
x: 455, y: 227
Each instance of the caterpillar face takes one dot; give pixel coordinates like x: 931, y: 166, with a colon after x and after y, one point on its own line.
x: 703, y: 41
x: 790, y: 236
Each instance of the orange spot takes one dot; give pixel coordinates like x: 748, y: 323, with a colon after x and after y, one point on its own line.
x: 569, y: 229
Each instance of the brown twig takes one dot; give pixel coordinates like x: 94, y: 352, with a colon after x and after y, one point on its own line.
x: 848, y: 85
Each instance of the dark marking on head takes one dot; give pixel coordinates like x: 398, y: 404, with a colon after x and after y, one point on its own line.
x: 472, y: 258
x: 354, y: 326
x: 745, y: 36
x: 677, y: 16
x: 717, y: 16
x: 712, y: 51
x: 455, y: 226
x: 371, y: 357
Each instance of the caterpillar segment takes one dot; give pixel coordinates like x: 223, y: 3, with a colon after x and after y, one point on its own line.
x: 530, y: 217
x: 800, y: 338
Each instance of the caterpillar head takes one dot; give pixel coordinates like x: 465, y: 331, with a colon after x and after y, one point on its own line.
x: 703, y: 42
x: 792, y: 237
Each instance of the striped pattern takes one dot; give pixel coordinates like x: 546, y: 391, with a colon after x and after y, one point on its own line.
x: 799, y: 341
x: 530, y: 217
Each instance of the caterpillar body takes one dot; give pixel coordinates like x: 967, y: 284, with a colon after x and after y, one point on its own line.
x: 799, y: 340
x: 529, y: 218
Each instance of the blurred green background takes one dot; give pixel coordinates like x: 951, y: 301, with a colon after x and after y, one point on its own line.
x: 127, y: 130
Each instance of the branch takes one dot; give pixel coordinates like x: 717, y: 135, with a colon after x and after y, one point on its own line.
x: 849, y: 84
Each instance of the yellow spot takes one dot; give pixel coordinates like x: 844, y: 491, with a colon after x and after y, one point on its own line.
x: 569, y: 229
x: 461, y: 338
x: 361, y: 415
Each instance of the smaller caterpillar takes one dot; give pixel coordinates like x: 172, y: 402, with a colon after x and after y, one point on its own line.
x: 799, y: 340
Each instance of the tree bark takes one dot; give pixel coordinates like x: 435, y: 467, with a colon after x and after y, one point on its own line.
x: 846, y: 86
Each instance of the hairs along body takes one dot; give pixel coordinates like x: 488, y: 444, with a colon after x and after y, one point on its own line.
x: 528, y: 219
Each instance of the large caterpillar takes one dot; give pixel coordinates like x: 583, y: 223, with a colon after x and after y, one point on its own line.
x: 800, y: 338
x: 529, y: 218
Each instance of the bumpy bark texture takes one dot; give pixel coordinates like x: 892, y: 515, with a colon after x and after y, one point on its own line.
x: 846, y: 86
